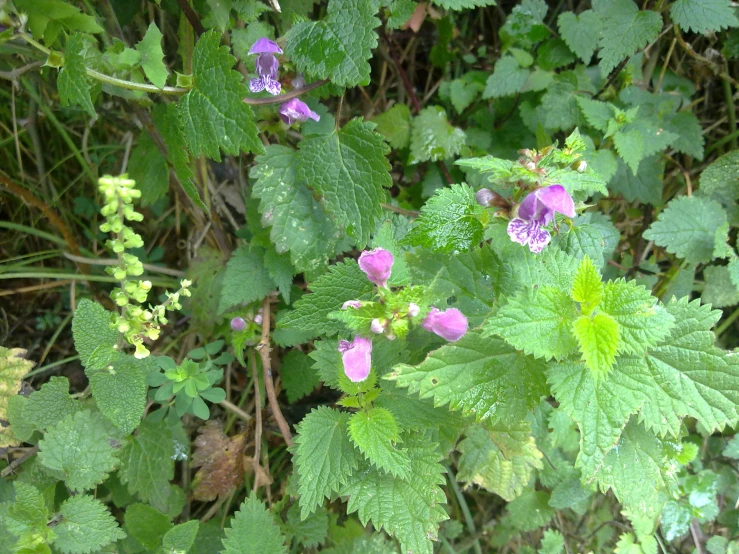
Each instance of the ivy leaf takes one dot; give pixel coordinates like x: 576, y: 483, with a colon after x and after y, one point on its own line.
x: 587, y: 288
x: 507, y: 79
x: 73, y: 84
x: 625, y: 29
x: 395, y: 125
x: 450, y: 221
x: 701, y: 16
x: 246, y: 279
x: 375, y: 433
x: 86, y: 526
x: 152, y: 56
x: 120, y: 393
x: 546, y: 313
x: 482, y: 377
x: 500, y: 458
x: 91, y: 329
x: 598, y: 337
x: 580, y: 32
x: 213, y: 116
x: 324, y: 456
x: 253, y: 530
x: 689, y: 228
x: 79, y: 447
x: 13, y: 366
x: 339, y: 47
x: 433, y: 138
x: 349, y: 168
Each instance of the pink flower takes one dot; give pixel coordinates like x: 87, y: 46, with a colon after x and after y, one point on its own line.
x: 377, y: 265
x: 377, y: 327
x: 238, y: 324
x: 266, y: 66
x: 413, y: 309
x: 351, y: 304
x: 450, y: 324
x: 297, y: 110
x: 536, y: 211
x: 357, y: 358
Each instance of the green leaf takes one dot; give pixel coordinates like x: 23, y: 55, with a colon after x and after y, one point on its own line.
x: 599, y: 339
x: 645, y: 186
x: 507, y: 79
x: 147, y: 464
x: 181, y: 537
x: 597, y: 113
x: 311, y: 532
x: 463, y: 4
x: 46, y: 18
x: 409, y: 510
x: 120, y: 392
x: 640, y: 139
x: 582, y: 240
x: 298, y: 224
x: 546, y: 313
x: 701, y: 16
x: 393, y: 229
x: 587, y: 288
x: 246, y: 279
x: 553, y: 54
x: 395, y: 125
x: 349, y: 168
x: 462, y: 92
x: 580, y: 32
x: 690, y: 227
x: 280, y: 271
x: 298, y: 376
x: 690, y: 139
x: 148, y: 167
x: 28, y: 513
x: 45, y: 407
x: 73, y: 84
x: 500, y: 458
x: 13, y: 367
x: 152, y: 56
x: 722, y: 176
x: 559, y: 106
x: 344, y: 281
x: 433, y: 138
x: 719, y: 291
x: 91, y: 329
x: 530, y: 510
x: 552, y: 542
x: 86, y: 526
x: 625, y: 29
x: 375, y: 433
x: 482, y: 377
x: 213, y: 116
x: 324, y: 456
x: 146, y: 525
x: 450, y: 221
x: 79, y: 447
x: 339, y: 47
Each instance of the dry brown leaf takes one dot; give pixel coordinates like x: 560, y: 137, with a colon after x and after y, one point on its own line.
x: 220, y: 459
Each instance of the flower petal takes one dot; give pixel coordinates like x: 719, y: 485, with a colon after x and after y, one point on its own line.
x: 557, y: 199
x: 256, y: 85
x: 264, y: 45
x: 272, y: 86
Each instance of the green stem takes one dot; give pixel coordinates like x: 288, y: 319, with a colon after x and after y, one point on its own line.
x: 465, y: 509
x: 52, y: 365
x: 731, y: 113
x: 130, y: 85
x: 727, y: 322
x: 159, y: 282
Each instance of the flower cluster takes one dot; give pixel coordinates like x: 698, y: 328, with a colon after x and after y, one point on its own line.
x: 134, y: 322
x: 267, y: 67
x: 356, y: 355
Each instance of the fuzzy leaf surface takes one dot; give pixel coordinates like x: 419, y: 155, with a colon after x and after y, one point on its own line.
x: 86, y: 526
x: 598, y: 339
x: 121, y: 392
x: 580, y: 32
x: 254, y: 530
x: 91, y: 329
x: 74, y: 87
x: 507, y: 79
x: 701, y: 16
x: 433, y: 138
x: 246, y: 280
x: 375, y: 432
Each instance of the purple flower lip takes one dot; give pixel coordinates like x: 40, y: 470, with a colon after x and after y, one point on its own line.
x: 297, y: 110
x: 450, y: 324
x: 356, y: 357
x: 536, y: 211
x: 265, y: 46
x: 377, y: 264
x: 266, y: 65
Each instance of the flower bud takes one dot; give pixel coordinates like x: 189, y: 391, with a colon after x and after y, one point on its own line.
x: 413, y: 309
x: 356, y: 356
x: 238, y: 324
x: 582, y: 166
x: 351, y: 304
x: 376, y: 326
x: 258, y: 319
x: 377, y: 264
x: 450, y: 324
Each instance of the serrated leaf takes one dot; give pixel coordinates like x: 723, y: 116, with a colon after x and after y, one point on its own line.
x: 150, y: 48
x: 701, y: 16
x: 13, y: 367
x: 298, y: 376
x: 507, y: 79
x: 120, y: 392
x: 246, y: 279
x: 324, y: 456
x: 91, y: 329
x: 86, y: 526
x: 482, y: 377
x: 598, y: 337
x: 530, y: 510
x: 450, y: 221
x: 559, y: 106
x: 645, y: 186
x: 147, y: 464
x: 580, y: 32
x: 690, y: 139
x: 719, y: 289
x: 375, y: 433
x: 148, y: 167
x: 73, y: 84
x: 52, y: 402
x: 552, y: 542
x: 688, y: 228
x: 546, y: 313
x: 463, y: 4
x: 433, y: 138
x: 587, y: 288
x: 28, y: 513
x: 597, y: 113
x: 79, y: 446
x: 722, y: 176
x: 349, y: 168
x: 640, y: 139
x: 339, y: 47
x: 500, y: 458
x: 213, y: 116
x: 580, y: 241
x: 395, y: 125
x: 311, y: 532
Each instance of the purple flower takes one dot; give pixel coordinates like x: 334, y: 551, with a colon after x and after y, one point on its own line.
x: 377, y: 327
x: 258, y: 319
x: 357, y: 358
x: 266, y: 65
x: 297, y: 110
x: 536, y: 211
x: 238, y: 324
x: 351, y: 304
x: 377, y: 264
x: 450, y: 324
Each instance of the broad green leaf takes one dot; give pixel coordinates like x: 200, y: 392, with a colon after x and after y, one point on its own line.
x: 507, y: 79
x: 580, y: 241
x: 298, y: 376
x: 552, y: 542
x: 580, y: 32
x: 246, y: 280
x: 324, y: 456
x: 395, y: 125
x: 79, y: 447
x: 645, y: 186
x: 349, y: 168
x: 701, y: 16
x: 146, y: 525
x: 500, y: 458
x: 588, y: 287
x: 691, y: 227
x: 546, y: 313
x: 719, y: 289
x: 559, y: 107
x: 553, y: 54
x: 722, y: 176
x: 339, y: 47
x: 640, y: 139
x: 525, y: 25
x: 86, y: 526
x: 91, y: 329
x: 253, y: 530
x: 52, y: 402
x: 530, y: 510
x: 120, y: 392
x: 280, y: 270
x: 13, y: 367
x: 450, y: 221
x: 47, y: 18
x: 433, y: 138
x: 28, y: 514
x: 148, y: 167
x: 181, y: 537
x: 463, y: 4
x: 462, y: 92
x: 310, y: 532
x: 690, y: 139
x: 213, y: 116
x: 596, y: 113
x: 152, y: 56
x: 375, y: 432
x: 599, y: 340
x: 675, y: 519
x: 74, y: 88
x: 482, y: 377
x: 400, y: 12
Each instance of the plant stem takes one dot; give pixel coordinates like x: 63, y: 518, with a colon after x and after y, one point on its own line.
x: 731, y: 114
x: 727, y: 323
x: 130, y: 85
x: 465, y: 509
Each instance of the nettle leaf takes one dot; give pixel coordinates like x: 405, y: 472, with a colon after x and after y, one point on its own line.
x: 148, y: 167
x: 349, y: 168
x: 324, y: 456
x: 91, y: 329
x: 344, y: 281
x: 691, y: 227
x: 482, y: 377
x: 546, y: 313
x: 146, y: 525
x: 701, y: 16
x: 28, y: 514
x: 410, y: 510
x: 598, y: 338
x: 721, y: 178
x: 587, y: 288
x: 298, y: 376
x: 13, y: 366
x: 246, y: 279
x: 507, y: 79
x: 625, y: 29
x: 52, y: 402
x: 254, y: 530
x: 120, y: 392
x: 645, y: 186
x: 582, y: 241
x: 500, y: 458
x: 339, y: 47
x: 559, y: 106
x: 213, y: 116
x: 375, y: 432
x: 463, y: 4
x: 580, y: 32
x: 433, y: 138
x: 395, y: 125
x: 79, y: 447
x: 719, y: 290
x: 690, y: 139
x: 640, y: 139
x: 181, y: 537
x: 86, y: 526
x: 73, y: 84
x: 597, y: 113
x: 450, y: 221
x: 152, y: 56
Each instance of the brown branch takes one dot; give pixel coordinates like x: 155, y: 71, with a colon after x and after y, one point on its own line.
x: 258, y: 412
x: 263, y: 349
x: 285, y: 97
x: 15, y: 463
x: 191, y: 16
x: 13, y: 75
